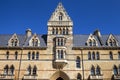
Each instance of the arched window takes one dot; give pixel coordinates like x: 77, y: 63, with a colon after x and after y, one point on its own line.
x: 94, y: 42
x: 98, y: 70
x: 111, y: 56
x: 79, y: 76
x: 93, y: 56
x: 62, y: 54
x: 114, y: 42
x: 12, y: 70
x: 89, y: 55
x: 92, y: 70
x: 6, y: 68
x: 33, y: 42
x: 12, y: 42
x: 7, y: 55
x: 37, y: 55
x: 60, y: 16
x: 62, y: 42
x: 29, y: 55
x: 16, y: 55
x: 36, y: 42
x: 34, y: 70
x: 60, y: 31
x: 63, y: 30
x: 119, y: 55
x: 33, y: 55
x: 90, y: 42
x: 53, y: 31
x: 16, y: 41
x: 115, y: 70
x: 67, y: 31
x: 59, y: 42
x: 29, y: 70
x: 110, y: 43
x: 78, y: 62
x: 97, y: 56
x: 56, y: 30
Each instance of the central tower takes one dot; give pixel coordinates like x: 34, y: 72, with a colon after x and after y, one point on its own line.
x: 59, y: 40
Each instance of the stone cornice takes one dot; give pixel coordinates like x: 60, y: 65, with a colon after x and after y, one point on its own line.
x: 23, y: 48
x: 95, y: 48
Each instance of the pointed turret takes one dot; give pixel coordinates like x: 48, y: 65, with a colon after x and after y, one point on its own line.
x: 60, y: 17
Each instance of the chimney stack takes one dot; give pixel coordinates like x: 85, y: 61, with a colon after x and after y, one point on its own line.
x: 28, y: 33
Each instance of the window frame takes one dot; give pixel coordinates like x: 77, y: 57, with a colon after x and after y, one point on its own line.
x: 78, y: 65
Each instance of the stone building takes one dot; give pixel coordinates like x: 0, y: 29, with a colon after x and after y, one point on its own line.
x: 59, y: 55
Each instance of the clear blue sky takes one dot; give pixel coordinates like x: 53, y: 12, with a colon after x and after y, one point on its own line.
x: 88, y: 15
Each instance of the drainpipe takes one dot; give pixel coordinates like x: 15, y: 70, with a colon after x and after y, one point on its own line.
x: 82, y: 63
x: 20, y: 64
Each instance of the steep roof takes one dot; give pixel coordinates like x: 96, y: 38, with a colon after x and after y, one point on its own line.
x: 4, y: 38
x: 78, y: 40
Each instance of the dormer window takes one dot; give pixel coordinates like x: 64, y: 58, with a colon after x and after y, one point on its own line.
x: 16, y: 41
x: 111, y: 41
x: 34, y: 41
x: 90, y: 42
x: 13, y: 41
x: 94, y: 42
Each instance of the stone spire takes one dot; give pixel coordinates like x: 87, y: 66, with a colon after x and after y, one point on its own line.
x: 60, y: 17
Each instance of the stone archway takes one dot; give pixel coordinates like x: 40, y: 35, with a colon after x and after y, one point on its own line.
x: 59, y: 78
x: 59, y: 75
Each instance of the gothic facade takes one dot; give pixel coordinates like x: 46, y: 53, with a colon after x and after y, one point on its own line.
x: 59, y: 55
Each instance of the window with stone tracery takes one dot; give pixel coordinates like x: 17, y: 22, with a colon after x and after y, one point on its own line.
x: 29, y: 70
x: 60, y: 54
x: 61, y: 31
x: 13, y: 41
x: 111, y: 41
x: 60, y: 41
x: 98, y: 70
x: 34, y: 70
x: 12, y: 70
x: 34, y: 41
x: 60, y: 16
x: 6, y: 68
x: 92, y: 70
